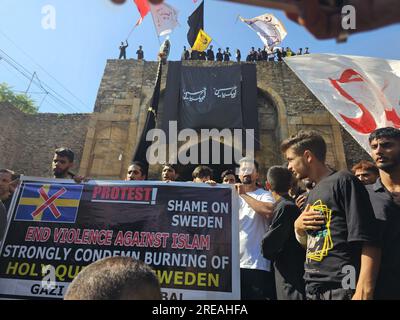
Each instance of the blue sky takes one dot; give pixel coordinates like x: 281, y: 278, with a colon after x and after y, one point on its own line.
x: 88, y: 32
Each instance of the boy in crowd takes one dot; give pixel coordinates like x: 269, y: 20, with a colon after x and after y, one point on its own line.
x: 279, y: 243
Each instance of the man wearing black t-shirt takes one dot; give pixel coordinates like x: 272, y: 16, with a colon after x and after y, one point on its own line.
x: 279, y: 243
x: 140, y: 53
x: 385, y: 199
x: 210, y: 54
x: 220, y: 56
x: 338, y: 226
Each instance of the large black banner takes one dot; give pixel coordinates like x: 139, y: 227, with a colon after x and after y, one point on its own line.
x: 211, y: 98
x: 187, y: 232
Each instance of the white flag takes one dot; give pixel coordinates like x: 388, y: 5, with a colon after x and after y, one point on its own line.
x: 270, y: 30
x: 362, y: 93
x: 165, y: 18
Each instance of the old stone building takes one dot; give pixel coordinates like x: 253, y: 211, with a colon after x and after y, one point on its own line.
x: 104, y: 140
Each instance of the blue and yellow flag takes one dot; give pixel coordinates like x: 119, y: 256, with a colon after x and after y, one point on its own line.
x: 202, y: 42
x: 49, y: 203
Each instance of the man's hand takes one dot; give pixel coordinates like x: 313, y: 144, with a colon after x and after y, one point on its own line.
x: 369, y: 269
x: 211, y: 182
x: 300, y: 201
x: 80, y: 179
x: 309, y: 220
x: 240, y: 188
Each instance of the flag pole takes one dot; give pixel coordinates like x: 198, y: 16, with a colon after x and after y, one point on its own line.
x: 155, y: 29
x: 151, y: 117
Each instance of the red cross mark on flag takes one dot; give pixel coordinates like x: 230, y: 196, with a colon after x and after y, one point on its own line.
x: 49, y: 203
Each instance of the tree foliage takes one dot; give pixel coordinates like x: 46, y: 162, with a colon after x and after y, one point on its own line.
x: 20, y: 101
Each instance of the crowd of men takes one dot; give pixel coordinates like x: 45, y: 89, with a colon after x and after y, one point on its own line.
x: 310, y: 233
x: 254, y: 55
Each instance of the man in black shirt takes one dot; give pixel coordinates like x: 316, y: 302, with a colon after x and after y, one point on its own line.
x: 385, y: 199
x: 185, y: 54
x: 220, y: 57
x: 140, y: 53
x: 279, y: 55
x: 338, y: 226
x: 210, y: 54
x: 195, y: 55
x: 122, y: 50
x: 279, y: 243
x: 238, y: 55
x: 227, y: 54
x: 202, y: 55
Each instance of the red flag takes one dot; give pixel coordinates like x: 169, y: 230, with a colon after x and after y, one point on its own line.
x: 143, y: 7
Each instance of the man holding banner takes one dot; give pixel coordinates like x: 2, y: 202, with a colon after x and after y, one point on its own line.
x: 255, y: 212
x: 188, y: 233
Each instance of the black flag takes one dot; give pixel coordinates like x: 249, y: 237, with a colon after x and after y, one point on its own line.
x: 143, y: 145
x: 195, y: 22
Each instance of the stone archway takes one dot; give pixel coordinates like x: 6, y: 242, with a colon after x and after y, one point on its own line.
x: 228, y: 154
x: 272, y: 130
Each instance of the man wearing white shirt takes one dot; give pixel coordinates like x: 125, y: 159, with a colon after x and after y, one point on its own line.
x: 255, y: 212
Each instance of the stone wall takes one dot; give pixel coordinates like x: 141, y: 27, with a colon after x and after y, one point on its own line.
x: 27, y: 142
x: 104, y: 141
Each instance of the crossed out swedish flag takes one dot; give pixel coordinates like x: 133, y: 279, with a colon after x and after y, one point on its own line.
x: 49, y: 203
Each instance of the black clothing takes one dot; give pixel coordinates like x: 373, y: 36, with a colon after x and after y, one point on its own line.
x: 140, y: 54
x: 122, y: 51
x: 220, y: 57
x: 7, y: 203
x: 279, y: 55
x: 343, y: 201
x: 195, y: 55
x: 202, y: 55
x: 238, y: 56
x: 330, y: 294
x: 185, y: 55
x: 280, y: 245
x: 227, y: 56
x: 264, y: 55
x: 256, y: 285
x: 210, y: 55
x: 387, y: 213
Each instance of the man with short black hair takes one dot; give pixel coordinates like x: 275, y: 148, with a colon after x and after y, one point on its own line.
x: 115, y: 278
x: 279, y: 243
x: 63, y: 162
x: 210, y: 54
x: 227, y: 55
x: 255, y: 212
x: 122, y: 50
x: 169, y: 172
x: 136, y: 171
x: 337, y: 227
x: 228, y: 177
x: 220, y: 56
x: 366, y: 172
x: 385, y: 199
x: 140, y: 53
x: 202, y: 174
x: 185, y: 54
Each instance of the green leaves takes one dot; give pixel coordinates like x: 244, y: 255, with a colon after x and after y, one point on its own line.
x: 20, y: 101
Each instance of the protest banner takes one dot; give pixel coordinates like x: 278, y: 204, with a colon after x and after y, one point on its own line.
x: 188, y: 233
